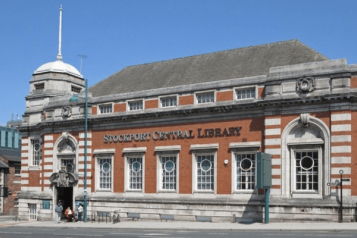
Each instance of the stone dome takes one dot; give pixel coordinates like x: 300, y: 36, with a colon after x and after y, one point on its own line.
x: 58, y: 66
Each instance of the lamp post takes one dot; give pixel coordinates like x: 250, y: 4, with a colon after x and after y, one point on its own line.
x: 73, y: 100
x: 339, y: 183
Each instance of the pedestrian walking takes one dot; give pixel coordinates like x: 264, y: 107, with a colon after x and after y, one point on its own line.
x: 80, y: 212
x: 58, y: 210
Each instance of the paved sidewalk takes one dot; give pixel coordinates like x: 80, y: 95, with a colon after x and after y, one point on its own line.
x: 177, y: 225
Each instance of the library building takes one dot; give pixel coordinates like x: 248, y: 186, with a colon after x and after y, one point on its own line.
x: 178, y: 139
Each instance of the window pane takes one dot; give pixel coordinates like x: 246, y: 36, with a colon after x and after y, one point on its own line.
x: 245, y: 164
x: 306, y: 169
x: 205, y: 172
x: 168, y: 172
x: 137, y: 105
x: 168, y: 102
x: 135, y: 173
x: 245, y: 93
x: 105, y: 174
x: 205, y: 97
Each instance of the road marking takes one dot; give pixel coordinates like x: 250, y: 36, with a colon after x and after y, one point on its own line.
x: 156, y: 234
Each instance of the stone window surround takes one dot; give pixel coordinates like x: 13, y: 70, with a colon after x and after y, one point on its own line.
x: 103, y: 105
x: 203, y: 92
x: 101, y: 154
x: 244, y: 87
x: 242, y: 147
x: 30, y: 153
x: 135, y: 100
x: 171, y: 150
x: 169, y: 96
x: 56, y: 160
x: 286, y: 190
x: 133, y: 152
x: 204, y: 149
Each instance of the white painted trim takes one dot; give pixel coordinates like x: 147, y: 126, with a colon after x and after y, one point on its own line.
x: 312, y: 141
x: 205, y: 146
x: 159, y: 174
x: 168, y: 148
x: 254, y: 144
x: 104, y: 151
x: 286, y: 161
x: 135, y: 150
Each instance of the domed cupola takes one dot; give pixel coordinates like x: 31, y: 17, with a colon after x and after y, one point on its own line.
x: 56, y: 78
x: 50, y: 83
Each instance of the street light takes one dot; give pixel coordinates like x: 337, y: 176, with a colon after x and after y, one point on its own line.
x: 73, y: 100
x: 339, y: 183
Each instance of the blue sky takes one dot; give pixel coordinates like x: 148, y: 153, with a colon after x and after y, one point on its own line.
x: 119, y: 33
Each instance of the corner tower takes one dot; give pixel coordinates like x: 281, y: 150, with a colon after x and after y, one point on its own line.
x: 53, y: 79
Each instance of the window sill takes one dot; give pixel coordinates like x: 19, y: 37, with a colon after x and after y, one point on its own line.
x: 244, y: 192
x: 306, y: 195
x: 33, y: 167
x: 203, y: 192
x: 167, y: 191
x: 133, y: 191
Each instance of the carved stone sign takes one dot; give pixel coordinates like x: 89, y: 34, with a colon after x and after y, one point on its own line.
x: 63, y: 179
x: 306, y: 84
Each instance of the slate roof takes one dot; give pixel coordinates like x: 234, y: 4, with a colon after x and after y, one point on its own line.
x: 229, y: 64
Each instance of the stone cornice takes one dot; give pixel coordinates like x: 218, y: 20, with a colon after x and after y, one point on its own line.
x: 221, y: 108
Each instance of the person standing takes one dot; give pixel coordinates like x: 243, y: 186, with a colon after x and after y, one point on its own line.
x: 58, y: 210
x: 80, y: 212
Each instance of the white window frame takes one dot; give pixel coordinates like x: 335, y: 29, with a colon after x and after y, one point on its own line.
x: 235, y: 167
x: 167, y: 151
x: 132, y: 101
x: 205, y: 92
x: 243, y: 148
x: 104, y: 154
x: 306, y: 193
x: 168, y: 96
x: 135, y: 152
x: 31, y: 152
x: 109, y: 105
x: 235, y: 95
x: 199, y: 150
x: 32, y: 211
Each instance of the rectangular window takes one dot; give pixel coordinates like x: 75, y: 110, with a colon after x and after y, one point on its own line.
x: 307, y: 167
x: 205, y: 97
x: 39, y: 87
x: 75, y: 89
x: 205, y: 172
x: 245, y: 93
x: 104, y: 109
x: 135, y: 105
x: 105, y: 173
x: 36, y: 152
x: 168, y: 172
x: 245, y: 170
x: 17, y: 169
x: 135, y: 168
x: 169, y: 102
x: 32, y: 211
x: 46, y: 204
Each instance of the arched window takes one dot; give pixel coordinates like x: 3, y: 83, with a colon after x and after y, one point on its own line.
x: 305, y: 158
